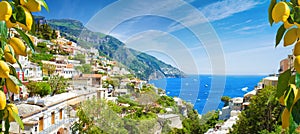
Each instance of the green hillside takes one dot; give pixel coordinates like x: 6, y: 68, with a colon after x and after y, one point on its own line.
x: 143, y: 65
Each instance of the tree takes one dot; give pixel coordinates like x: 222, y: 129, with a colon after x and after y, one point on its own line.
x: 58, y: 84
x: 48, y: 68
x: 80, y: 57
x: 263, y: 113
x: 17, y: 18
x: 96, y: 116
x: 226, y: 100
x: 87, y: 68
x: 288, y: 85
x: 39, y: 88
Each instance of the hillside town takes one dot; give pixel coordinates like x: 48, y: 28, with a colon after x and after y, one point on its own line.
x: 56, y: 113
x: 230, y: 113
x: 102, y: 78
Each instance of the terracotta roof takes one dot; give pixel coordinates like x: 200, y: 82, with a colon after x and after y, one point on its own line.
x: 92, y: 75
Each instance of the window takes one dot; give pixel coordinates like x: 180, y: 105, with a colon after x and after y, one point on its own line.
x: 41, y: 123
x: 60, y: 114
x: 52, y: 118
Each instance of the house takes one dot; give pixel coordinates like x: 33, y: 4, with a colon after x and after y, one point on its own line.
x: 270, y: 81
x: 175, y: 121
x: 120, y: 92
x: 286, y: 64
x: 33, y: 72
x: 235, y: 105
x: 247, y: 98
x: 88, y: 79
x: 53, y: 114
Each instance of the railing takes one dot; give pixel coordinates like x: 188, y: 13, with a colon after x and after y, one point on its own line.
x: 57, y: 125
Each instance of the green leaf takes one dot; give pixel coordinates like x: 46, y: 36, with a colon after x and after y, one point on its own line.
x: 279, y: 35
x: 297, y: 14
x: 297, y: 80
x: 20, y: 15
x: 3, y: 30
x: 44, y: 4
x: 272, y: 4
x: 17, y: 119
x: 283, y: 82
x: 26, y: 39
x: 15, y: 80
x: 7, y: 125
x: 289, y: 99
x: 294, y: 2
x: 292, y: 79
x: 295, y: 112
x: 292, y: 126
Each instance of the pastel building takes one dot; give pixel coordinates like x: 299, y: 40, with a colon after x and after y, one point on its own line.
x: 51, y: 115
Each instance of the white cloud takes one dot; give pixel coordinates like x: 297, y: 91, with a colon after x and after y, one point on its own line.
x: 249, y: 28
x: 216, y: 11
x: 227, y: 8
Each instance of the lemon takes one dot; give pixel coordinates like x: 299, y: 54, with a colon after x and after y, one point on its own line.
x: 11, y: 108
x: 4, y: 69
x: 297, y: 63
x: 297, y: 49
x: 31, y: 5
x: 290, y: 37
x: 12, y: 87
x: 8, y: 50
x: 280, y: 12
x: 2, y: 100
x: 287, y: 25
x: 18, y: 46
x: 28, y: 21
x: 298, y: 25
x: 9, y: 24
x: 285, y: 118
x: 6, y: 10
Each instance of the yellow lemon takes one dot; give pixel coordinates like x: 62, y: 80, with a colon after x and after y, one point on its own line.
x: 28, y: 21
x: 2, y: 100
x: 6, y: 10
x: 285, y: 118
x: 280, y: 12
x: 297, y: 49
x: 9, y: 24
x: 4, y: 69
x: 8, y: 50
x: 18, y: 46
x: 11, y: 108
x: 290, y: 37
x: 12, y: 87
x: 287, y: 25
x: 297, y: 63
x: 298, y: 25
x: 31, y: 5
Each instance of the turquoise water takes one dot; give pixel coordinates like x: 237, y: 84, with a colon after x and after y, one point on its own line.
x: 205, y: 91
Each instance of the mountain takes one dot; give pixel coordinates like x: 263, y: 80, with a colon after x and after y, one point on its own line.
x: 143, y: 65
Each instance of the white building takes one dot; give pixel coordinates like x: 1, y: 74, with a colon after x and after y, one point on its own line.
x: 51, y: 115
x: 33, y: 72
x: 235, y: 104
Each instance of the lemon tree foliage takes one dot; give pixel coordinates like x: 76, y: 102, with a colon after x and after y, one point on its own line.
x: 287, y: 13
x: 15, y: 22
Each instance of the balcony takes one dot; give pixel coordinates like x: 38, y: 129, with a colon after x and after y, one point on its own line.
x: 57, y: 125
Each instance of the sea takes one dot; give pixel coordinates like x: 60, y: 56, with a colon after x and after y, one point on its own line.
x: 205, y: 91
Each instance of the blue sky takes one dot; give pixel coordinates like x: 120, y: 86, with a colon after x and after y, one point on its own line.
x: 197, y: 36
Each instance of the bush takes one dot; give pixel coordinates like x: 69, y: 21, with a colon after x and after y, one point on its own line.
x: 39, y: 88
